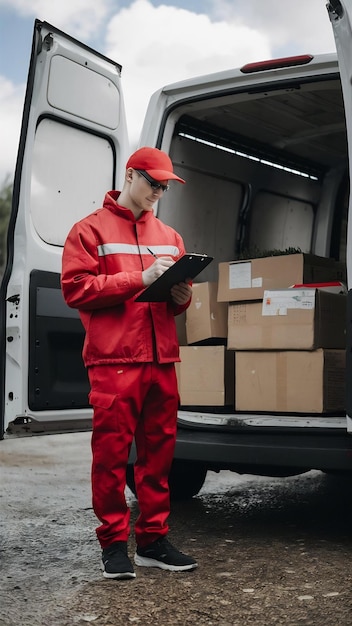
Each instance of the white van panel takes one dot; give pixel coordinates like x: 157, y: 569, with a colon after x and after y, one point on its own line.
x: 58, y: 197
x: 341, y: 19
x: 73, y: 148
x: 290, y: 220
x: 71, y: 87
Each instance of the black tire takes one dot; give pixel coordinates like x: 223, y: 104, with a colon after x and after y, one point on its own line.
x: 186, y: 479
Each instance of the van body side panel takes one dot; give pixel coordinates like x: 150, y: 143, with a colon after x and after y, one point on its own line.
x: 266, y: 169
x: 341, y: 20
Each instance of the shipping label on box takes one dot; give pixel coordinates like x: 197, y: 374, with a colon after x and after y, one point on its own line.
x: 279, y: 302
x: 240, y: 276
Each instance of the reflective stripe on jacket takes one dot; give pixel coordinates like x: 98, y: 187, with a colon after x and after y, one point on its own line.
x: 103, y: 259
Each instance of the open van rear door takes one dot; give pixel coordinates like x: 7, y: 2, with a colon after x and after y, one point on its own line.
x: 340, y: 12
x: 73, y: 148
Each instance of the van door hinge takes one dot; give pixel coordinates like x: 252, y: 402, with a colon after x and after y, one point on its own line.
x: 335, y: 9
x: 48, y: 42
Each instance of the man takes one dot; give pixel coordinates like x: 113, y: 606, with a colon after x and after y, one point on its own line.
x: 129, y: 350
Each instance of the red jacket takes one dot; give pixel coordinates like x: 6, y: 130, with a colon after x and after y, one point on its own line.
x: 102, y: 264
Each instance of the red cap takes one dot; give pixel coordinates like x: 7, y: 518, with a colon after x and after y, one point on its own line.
x: 155, y: 162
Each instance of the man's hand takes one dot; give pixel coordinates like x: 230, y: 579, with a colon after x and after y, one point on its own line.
x: 160, y: 265
x: 181, y: 293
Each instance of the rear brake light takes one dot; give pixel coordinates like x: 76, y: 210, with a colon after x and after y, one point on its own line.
x: 260, y: 66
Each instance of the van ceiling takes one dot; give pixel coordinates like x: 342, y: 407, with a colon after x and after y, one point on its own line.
x: 301, y: 124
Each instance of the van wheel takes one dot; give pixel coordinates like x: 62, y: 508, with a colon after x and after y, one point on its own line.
x: 185, y: 479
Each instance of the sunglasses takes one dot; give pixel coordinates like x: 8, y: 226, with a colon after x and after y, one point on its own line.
x: 152, y: 182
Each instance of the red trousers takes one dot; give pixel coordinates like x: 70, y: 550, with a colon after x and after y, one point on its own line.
x: 132, y: 401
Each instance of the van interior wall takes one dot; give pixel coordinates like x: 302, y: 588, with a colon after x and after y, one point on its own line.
x: 232, y: 206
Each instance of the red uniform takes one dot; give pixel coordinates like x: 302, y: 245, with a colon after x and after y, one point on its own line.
x: 129, y: 349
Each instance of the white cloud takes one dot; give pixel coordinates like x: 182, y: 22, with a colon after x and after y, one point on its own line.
x: 302, y: 26
x: 11, y: 104
x: 160, y: 45
x: 80, y: 18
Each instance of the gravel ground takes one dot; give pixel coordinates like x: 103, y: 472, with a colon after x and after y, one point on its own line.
x: 270, y: 551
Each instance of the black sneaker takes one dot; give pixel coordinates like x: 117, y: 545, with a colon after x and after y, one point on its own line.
x: 116, y: 563
x: 162, y: 554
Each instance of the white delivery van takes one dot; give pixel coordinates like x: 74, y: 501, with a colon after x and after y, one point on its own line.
x: 265, y: 153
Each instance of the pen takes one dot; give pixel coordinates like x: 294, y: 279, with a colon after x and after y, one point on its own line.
x: 151, y: 252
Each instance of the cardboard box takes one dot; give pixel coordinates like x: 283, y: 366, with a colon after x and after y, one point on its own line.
x: 206, y: 376
x: 291, y: 382
x: 247, y: 280
x: 180, y: 321
x: 289, y: 319
x: 206, y: 318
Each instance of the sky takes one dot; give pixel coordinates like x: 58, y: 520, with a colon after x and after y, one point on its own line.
x: 156, y: 43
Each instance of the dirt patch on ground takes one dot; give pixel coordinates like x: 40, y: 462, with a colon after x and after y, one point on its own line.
x: 269, y: 551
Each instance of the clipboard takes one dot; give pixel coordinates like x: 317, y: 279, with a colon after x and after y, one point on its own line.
x: 187, y: 267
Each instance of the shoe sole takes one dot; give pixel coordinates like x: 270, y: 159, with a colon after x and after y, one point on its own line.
x: 119, y: 575
x: 144, y: 561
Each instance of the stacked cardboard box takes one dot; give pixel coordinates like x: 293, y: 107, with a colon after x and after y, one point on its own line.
x: 287, y: 346
x: 247, y: 280
x: 290, y: 381
x: 206, y: 318
x: 206, y: 371
x: 206, y: 376
x: 289, y: 319
x: 289, y: 343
